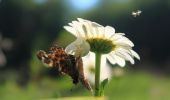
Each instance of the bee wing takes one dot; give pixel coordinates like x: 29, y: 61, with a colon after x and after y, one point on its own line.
x: 139, y: 11
x: 134, y: 14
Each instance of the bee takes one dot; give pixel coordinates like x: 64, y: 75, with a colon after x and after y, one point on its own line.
x: 65, y: 63
x: 137, y: 13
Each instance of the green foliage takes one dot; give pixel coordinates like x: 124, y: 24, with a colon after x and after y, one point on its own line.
x: 132, y: 86
x: 102, y: 86
x: 36, y: 66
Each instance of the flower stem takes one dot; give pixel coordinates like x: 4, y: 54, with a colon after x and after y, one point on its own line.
x: 97, y: 74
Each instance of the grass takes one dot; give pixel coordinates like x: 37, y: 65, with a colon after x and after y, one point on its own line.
x: 132, y: 86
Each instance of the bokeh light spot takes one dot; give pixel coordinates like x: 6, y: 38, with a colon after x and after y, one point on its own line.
x: 83, y: 4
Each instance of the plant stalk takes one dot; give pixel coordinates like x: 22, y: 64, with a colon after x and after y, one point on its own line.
x: 97, y: 74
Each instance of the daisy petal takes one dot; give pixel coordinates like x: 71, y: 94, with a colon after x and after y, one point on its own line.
x: 80, y: 19
x: 135, y: 54
x: 111, y: 59
x: 94, y: 24
x: 89, y: 58
x: 109, y: 31
x: 100, y: 32
x: 78, y: 48
x: 126, y: 56
x: 89, y: 67
x: 79, y: 29
x: 120, y: 61
x: 71, y: 30
x: 90, y: 29
x: 71, y: 24
x: 124, y: 41
x: 121, y: 33
x: 103, y: 60
x: 115, y: 37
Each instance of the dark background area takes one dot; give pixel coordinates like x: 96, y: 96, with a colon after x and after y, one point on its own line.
x: 32, y: 25
x: 25, y: 21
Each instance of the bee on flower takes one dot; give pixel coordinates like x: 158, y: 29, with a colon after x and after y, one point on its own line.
x: 137, y: 13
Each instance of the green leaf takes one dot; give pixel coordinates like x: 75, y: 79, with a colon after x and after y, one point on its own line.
x: 102, y: 86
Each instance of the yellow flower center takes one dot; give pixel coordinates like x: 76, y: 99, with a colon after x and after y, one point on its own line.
x: 100, y: 45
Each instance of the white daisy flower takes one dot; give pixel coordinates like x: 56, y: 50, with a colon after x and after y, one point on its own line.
x: 114, y: 46
x: 89, y: 69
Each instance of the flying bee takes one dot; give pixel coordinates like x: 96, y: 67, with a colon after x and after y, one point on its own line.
x: 137, y: 13
x: 65, y: 63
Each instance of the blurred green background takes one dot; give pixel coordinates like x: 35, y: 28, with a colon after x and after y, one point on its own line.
x: 27, y: 26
